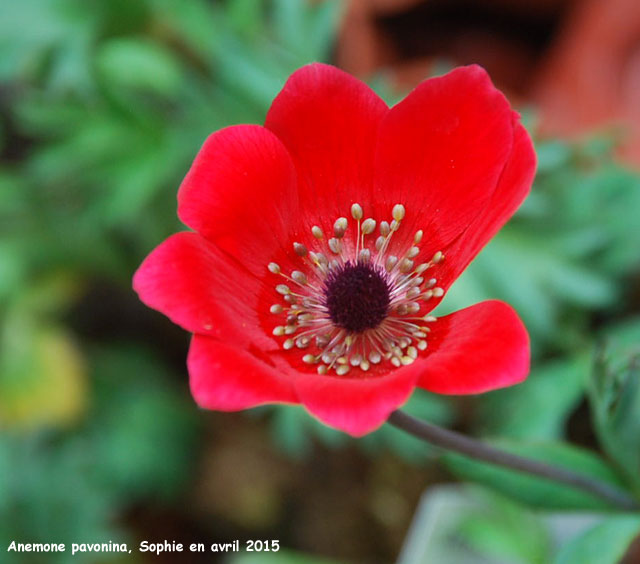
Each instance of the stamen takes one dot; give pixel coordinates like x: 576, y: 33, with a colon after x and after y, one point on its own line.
x: 398, y: 212
x: 340, y: 226
x: 299, y: 277
x: 335, y: 245
x: 361, y: 309
x: 368, y: 226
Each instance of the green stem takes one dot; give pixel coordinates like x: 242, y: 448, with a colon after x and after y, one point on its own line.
x: 450, y: 440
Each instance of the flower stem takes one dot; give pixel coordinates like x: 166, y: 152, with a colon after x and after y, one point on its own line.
x: 478, y: 450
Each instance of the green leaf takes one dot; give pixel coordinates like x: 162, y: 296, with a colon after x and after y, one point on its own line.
x: 614, y: 394
x: 126, y: 63
x: 606, y: 543
x: 534, y: 491
x: 504, y: 530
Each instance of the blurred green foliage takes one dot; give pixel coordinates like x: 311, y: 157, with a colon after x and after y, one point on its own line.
x: 605, y: 543
x: 534, y: 491
x: 103, y: 105
x: 614, y: 394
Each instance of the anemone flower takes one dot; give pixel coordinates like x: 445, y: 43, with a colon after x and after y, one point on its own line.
x: 322, y: 241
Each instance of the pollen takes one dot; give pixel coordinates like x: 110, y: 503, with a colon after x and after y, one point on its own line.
x: 352, y: 305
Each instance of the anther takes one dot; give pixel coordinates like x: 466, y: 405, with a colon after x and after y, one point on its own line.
x: 418, y: 236
x: 364, y: 255
x: 283, y: 289
x: 322, y: 341
x: 278, y: 331
x: 385, y: 229
x: 322, y: 369
x: 309, y: 359
x: 299, y: 277
x: 303, y: 342
x: 275, y: 308
x: 274, y: 268
x: 335, y: 245
x: 379, y: 242
x: 390, y: 263
x: 368, y: 226
x: 355, y: 360
x: 413, y: 292
x: 288, y: 344
x: 375, y: 357
x: 317, y: 232
x: 413, y: 252
x: 406, y: 265
x: 413, y: 307
x: 438, y: 257
x: 438, y: 292
x: 300, y: 249
x: 340, y: 226
x: 322, y: 259
x: 342, y: 369
x: 398, y: 212
x: 356, y: 211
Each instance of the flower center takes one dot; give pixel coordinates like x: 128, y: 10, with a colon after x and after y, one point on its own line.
x: 353, y: 304
x: 356, y: 296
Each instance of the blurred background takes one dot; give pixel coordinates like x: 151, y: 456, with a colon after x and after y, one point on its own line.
x: 103, y: 106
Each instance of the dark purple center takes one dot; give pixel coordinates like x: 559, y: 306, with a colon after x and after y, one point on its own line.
x: 357, y: 296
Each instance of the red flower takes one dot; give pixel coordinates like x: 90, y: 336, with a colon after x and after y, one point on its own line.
x: 324, y: 239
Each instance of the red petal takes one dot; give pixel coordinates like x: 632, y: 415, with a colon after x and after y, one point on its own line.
x: 355, y: 405
x: 328, y: 120
x: 474, y: 350
x: 441, y: 153
x: 513, y: 187
x: 229, y: 379
x: 240, y: 192
x: 189, y: 280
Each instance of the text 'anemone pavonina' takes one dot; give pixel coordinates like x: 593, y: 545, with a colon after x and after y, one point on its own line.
x: 322, y: 241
